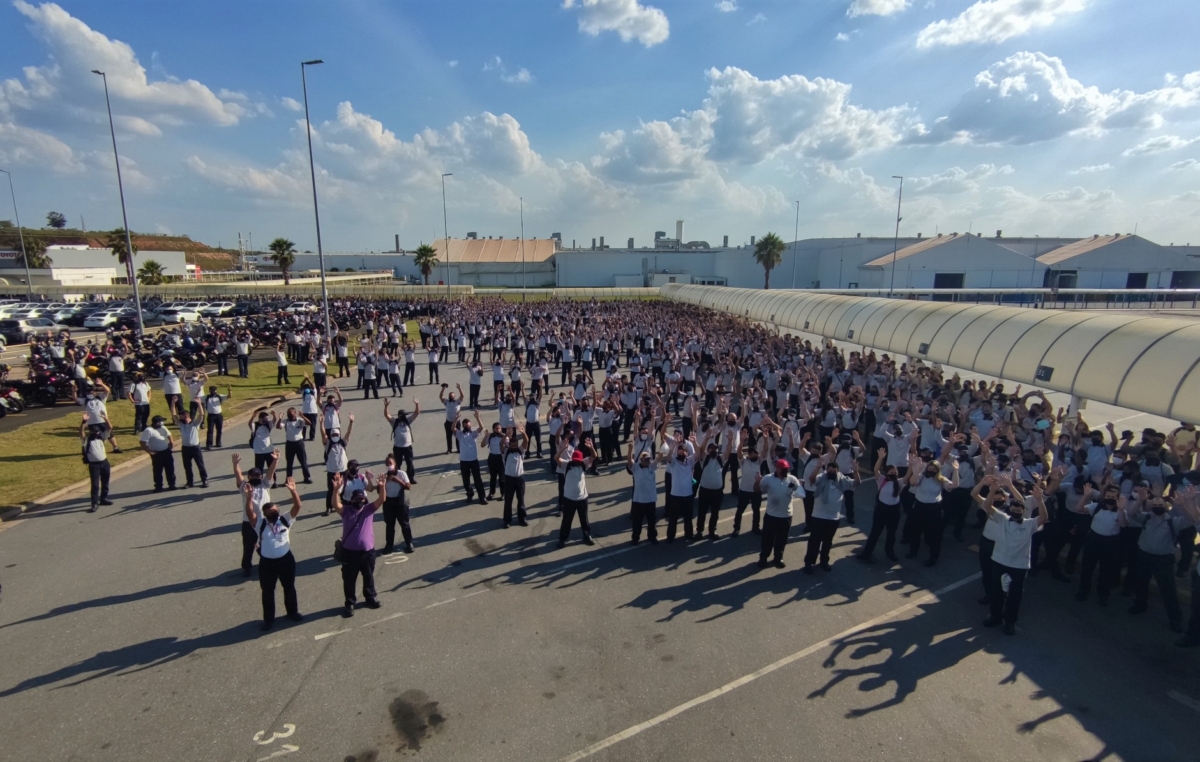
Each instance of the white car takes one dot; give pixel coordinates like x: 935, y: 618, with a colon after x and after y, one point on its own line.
x: 296, y: 308
x: 179, y: 315
x: 102, y: 319
x: 216, y: 309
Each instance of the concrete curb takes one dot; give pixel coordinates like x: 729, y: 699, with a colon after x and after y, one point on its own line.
x: 130, y: 465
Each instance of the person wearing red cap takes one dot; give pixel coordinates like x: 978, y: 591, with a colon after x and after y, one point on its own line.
x: 575, y: 494
x: 779, y: 488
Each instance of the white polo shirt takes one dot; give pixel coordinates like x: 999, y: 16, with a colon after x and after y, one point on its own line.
x: 157, y: 439
x: 1015, y: 541
x: 779, y: 493
x: 274, y: 540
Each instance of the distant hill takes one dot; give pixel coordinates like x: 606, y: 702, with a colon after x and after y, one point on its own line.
x: 198, y: 253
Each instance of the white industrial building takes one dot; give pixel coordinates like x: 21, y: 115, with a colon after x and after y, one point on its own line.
x: 86, y: 266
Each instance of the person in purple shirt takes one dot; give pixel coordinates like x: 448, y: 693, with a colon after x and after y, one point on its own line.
x: 358, y: 542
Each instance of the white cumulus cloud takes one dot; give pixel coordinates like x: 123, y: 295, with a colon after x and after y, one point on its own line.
x: 727, y: 6
x: 291, y: 104
x: 1091, y: 169
x: 1078, y: 195
x: 957, y: 179
x: 1030, y: 97
x: 26, y: 146
x: 876, y: 7
x: 996, y: 21
x: 1158, y: 145
x: 628, y: 18
x: 1185, y: 164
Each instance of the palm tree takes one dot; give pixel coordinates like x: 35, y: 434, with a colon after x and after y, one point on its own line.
x: 151, y: 273
x: 425, y: 258
x: 768, y: 252
x: 116, y: 242
x: 283, y: 254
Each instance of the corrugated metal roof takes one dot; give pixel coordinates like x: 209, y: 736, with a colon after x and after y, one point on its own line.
x: 908, y: 251
x: 1151, y: 364
x: 495, y: 249
x: 1079, y: 247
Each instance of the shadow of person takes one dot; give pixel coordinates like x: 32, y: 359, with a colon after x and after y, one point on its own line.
x: 134, y: 658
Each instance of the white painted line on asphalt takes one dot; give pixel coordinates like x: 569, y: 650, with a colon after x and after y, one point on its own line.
x: 324, y: 635
x: 1187, y: 701
x: 387, y: 618
x: 441, y: 603
x: 477, y: 592
x: 785, y: 661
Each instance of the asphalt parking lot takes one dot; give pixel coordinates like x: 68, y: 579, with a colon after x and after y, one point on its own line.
x: 130, y: 634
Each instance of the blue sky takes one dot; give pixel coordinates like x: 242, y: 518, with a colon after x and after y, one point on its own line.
x: 609, y: 117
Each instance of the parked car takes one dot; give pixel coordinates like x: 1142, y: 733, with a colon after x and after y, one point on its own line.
x: 296, y: 308
x: 22, y: 331
x: 82, y: 313
x: 245, y: 309
x: 216, y: 309
x: 180, y: 315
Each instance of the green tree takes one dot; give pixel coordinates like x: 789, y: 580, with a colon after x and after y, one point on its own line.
x: 768, y: 252
x: 283, y: 254
x: 35, y: 250
x: 115, y: 241
x: 425, y: 258
x: 151, y: 273
x: 348, y: 270
x: 334, y: 270
x: 56, y: 220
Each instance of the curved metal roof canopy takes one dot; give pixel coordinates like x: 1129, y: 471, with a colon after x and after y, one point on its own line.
x: 1150, y: 364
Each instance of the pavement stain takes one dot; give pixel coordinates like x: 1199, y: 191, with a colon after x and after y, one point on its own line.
x: 370, y: 755
x: 477, y: 547
x: 415, y: 718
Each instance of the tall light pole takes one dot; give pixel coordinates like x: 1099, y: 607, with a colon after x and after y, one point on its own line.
x: 523, y: 286
x: 794, y: 242
x: 129, y: 267
x: 446, y: 230
x: 312, y: 171
x: 896, y: 245
x: 21, y: 235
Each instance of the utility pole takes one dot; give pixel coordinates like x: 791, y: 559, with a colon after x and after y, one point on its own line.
x: 523, y: 286
x: 794, y: 242
x: 896, y: 245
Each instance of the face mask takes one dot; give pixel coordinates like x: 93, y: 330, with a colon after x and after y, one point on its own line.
x: 335, y: 438
x: 1017, y: 518
x: 931, y: 472
x: 1158, y: 510
x: 272, y: 517
x: 158, y: 425
x: 291, y: 416
x: 1109, y: 505
x: 681, y: 457
x: 254, y: 482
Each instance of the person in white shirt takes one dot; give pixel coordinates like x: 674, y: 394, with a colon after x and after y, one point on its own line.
x: 679, y: 459
x: 295, y: 428
x: 96, y: 457
x: 514, y: 446
x: 261, y: 423
x: 468, y: 455
x: 336, y: 459
x: 395, y: 506
x: 281, y: 363
x: 829, y: 498
x: 645, y: 495
x: 260, y: 497
x: 575, y: 494
x: 887, y: 510
x: 402, y: 437
x: 1102, y: 547
x: 779, y: 488
x: 95, y: 405
x: 157, y: 441
x: 276, y: 563
x: 214, y: 414
x: 189, y: 448
x: 139, y: 396
x: 172, y: 390
x: 453, y: 405
x: 1011, y: 555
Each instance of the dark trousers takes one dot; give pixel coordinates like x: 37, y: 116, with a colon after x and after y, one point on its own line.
x: 1187, y: 548
x: 986, y: 567
x: 470, y: 470
x: 774, y: 536
x: 514, y: 486
x: 294, y: 451
x: 249, y: 541
x: 927, y: 526
x: 116, y: 382
x: 281, y: 375
x: 1068, y: 530
x: 754, y: 501
x: 394, y: 382
x: 569, y: 509
x: 395, y: 510
x: 708, y: 502
x: 243, y: 365
x: 222, y: 365
x: 283, y: 570
x: 886, y: 518
x: 1105, y: 552
x: 473, y: 389
x: 495, y: 464
x: 566, y: 374
x: 451, y: 442
x: 164, y: 465
x: 958, y: 502
x: 1193, y: 630
x: 262, y: 461
x: 434, y: 378
x: 98, y: 473
x: 369, y: 386
x: 216, y: 427
x: 679, y: 507
x: 647, y: 513
x: 848, y: 501
x: 357, y: 562
x: 343, y: 365
x: 404, y: 455
x: 312, y: 424
x: 141, y: 416
x: 193, y: 455
x: 1006, y: 606
x: 1162, y: 569
x: 820, y: 539
x: 533, y: 430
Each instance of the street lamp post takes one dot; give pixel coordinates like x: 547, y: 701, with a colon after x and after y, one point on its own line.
x: 316, y: 214
x: 896, y: 245
x: 523, y: 285
x: 446, y: 230
x: 129, y: 267
x: 794, y: 242
x: 21, y: 235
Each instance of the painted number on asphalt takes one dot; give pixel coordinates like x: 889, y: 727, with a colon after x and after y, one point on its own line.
x: 395, y: 558
x: 284, y: 749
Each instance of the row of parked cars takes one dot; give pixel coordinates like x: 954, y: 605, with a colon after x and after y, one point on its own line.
x: 21, y: 322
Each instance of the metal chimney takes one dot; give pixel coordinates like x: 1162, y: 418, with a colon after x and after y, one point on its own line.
x: 630, y: 243
x: 751, y: 240
x: 725, y: 243
x: 397, y: 242
x: 679, y: 230
x: 602, y: 242
x: 593, y: 244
